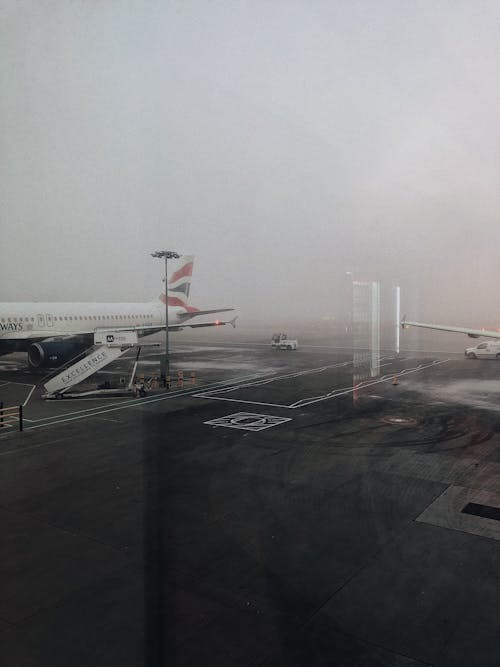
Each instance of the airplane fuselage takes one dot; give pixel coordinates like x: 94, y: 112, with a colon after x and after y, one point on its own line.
x: 53, y: 332
x: 34, y: 321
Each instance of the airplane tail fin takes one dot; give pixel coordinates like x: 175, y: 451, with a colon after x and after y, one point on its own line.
x: 179, y: 284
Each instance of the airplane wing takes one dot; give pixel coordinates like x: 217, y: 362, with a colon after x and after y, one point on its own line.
x: 195, y: 313
x: 141, y: 329
x: 196, y: 325
x: 153, y: 328
x: 472, y: 333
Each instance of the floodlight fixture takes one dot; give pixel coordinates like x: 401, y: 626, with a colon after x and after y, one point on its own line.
x: 167, y: 254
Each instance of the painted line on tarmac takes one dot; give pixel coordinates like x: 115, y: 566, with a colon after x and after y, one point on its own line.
x: 275, y: 378
x: 310, y: 345
x: 29, y: 395
x: 135, y: 401
x: 22, y: 384
x: 269, y: 380
x: 88, y: 413
x: 363, y: 385
x: 317, y: 399
x: 227, y: 385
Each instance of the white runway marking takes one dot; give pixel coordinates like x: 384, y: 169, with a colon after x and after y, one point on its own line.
x: 367, y: 383
x: 213, y: 391
x: 314, y: 399
x: 319, y: 347
x: 29, y: 396
x: 22, y: 384
x: 274, y: 378
x: 88, y: 413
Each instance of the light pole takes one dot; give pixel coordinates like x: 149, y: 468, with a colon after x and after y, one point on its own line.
x: 398, y: 314
x: 167, y: 254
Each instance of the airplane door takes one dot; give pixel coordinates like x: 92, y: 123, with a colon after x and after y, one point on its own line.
x: 41, y: 321
x: 50, y: 320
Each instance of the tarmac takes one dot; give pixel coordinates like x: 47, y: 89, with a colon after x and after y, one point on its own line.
x: 287, y: 509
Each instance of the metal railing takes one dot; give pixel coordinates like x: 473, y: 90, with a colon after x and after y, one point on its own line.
x: 10, y: 416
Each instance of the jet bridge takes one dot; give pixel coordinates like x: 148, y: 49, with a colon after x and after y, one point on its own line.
x: 108, y: 346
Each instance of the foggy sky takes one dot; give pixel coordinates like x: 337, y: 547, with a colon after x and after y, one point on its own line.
x: 284, y: 143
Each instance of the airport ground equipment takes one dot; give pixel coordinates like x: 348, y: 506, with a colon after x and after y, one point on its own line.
x: 288, y: 344
x: 108, y: 346
x: 11, y: 415
x: 281, y: 341
x: 277, y: 338
x: 488, y: 349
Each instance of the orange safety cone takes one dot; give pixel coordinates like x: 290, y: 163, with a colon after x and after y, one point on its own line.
x: 395, y: 381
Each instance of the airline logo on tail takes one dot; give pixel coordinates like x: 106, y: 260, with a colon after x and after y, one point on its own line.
x: 179, y: 285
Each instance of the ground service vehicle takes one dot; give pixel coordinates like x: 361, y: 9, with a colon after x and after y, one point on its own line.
x: 282, y: 342
x: 489, y: 349
x: 277, y: 338
x: 288, y: 344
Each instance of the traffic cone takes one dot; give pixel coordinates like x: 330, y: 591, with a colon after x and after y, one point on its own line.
x: 395, y: 381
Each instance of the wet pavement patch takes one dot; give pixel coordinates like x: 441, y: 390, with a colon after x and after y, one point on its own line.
x: 484, y: 511
x: 399, y: 421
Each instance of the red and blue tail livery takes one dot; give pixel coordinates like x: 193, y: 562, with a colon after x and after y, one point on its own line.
x: 48, y: 330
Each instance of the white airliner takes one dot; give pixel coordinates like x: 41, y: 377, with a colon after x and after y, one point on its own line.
x: 472, y: 333
x: 53, y: 333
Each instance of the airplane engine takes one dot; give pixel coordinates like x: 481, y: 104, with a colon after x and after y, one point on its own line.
x: 53, y: 353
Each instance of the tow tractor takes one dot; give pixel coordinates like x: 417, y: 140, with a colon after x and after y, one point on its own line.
x: 282, y: 342
x: 108, y: 346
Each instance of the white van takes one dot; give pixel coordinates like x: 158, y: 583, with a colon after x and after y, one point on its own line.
x: 489, y: 349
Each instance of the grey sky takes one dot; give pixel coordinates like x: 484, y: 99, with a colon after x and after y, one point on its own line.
x: 282, y: 142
